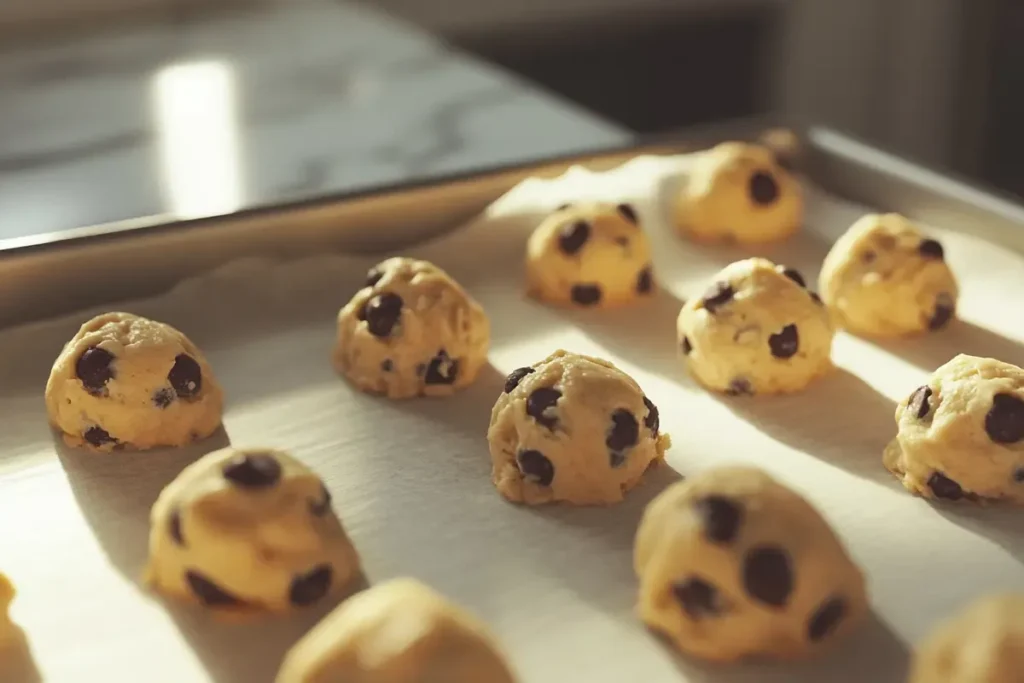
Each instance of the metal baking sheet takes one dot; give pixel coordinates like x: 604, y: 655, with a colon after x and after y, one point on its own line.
x: 411, y: 479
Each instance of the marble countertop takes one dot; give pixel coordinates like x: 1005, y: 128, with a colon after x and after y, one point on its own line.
x: 297, y: 99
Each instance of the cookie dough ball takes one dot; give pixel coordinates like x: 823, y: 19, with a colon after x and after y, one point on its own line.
x: 411, y: 331
x: 983, y: 644
x: 7, y: 628
x: 756, y: 330
x: 572, y: 428
x: 738, y: 192
x: 961, y: 436
x: 884, y: 278
x: 590, y: 255
x: 126, y: 381
x: 399, y: 631
x: 733, y: 564
x: 248, y: 529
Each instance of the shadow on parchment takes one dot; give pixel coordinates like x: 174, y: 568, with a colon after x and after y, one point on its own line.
x: 931, y: 350
x: 997, y: 522
x: 16, y: 662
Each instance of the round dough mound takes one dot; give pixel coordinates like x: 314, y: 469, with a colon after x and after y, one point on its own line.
x: 961, y: 436
x: 733, y: 564
x: 738, y: 192
x: 572, y: 428
x: 399, y: 631
x: 248, y: 529
x: 884, y: 278
x: 411, y: 331
x: 126, y: 381
x: 756, y: 330
x: 590, y: 255
x: 983, y: 644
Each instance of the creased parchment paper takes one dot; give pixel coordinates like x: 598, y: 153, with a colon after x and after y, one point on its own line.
x: 411, y: 479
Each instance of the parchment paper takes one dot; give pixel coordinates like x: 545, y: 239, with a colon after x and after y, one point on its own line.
x: 411, y: 479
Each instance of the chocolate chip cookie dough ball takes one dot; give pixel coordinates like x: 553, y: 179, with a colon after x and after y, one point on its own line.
x: 411, y: 331
x: 756, y: 330
x: 983, y: 644
x: 399, y: 631
x: 126, y: 381
x: 733, y: 564
x: 590, y: 255
x: 572, y: 428
x: 884, y: 278
x: 961, y: 436
x: 738, y: 192
x: 248, y: 529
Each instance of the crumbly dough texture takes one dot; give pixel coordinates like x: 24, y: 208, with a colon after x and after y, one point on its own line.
x: 885, y: 278
x: 248, y: 530
x: 590, y: 255
x: 982, y: 644
x: 124, y: 381
x: 733, y: 564
x: 756, y: 330
x: 738, y: 192
x: 399, y: 631
x: 961, y: 435
x: 411, y: 331
x: 572, y: 428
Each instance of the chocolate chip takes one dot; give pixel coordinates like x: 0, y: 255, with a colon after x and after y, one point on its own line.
x: 186, y: 377
x: 931, y: 249
x: 628, y: 212
x: 1018, y: 475
x: 825, y: 620
x: 687, y: 346
x: 586, y: 295
x: 98, y: 436
x: 209, y: 593
x: 163, y: 397
x: 93, y: 367
x: 652, y: 420
x: 174, y: 527
x: 541, y: 404
x: 697, y: 597
x: 918, y: 402
x: 536, y: 467
x: 717, y: 295
x: 944, y: 487
x: 572, y: 237
x: 740, y: 387
x: 623, y: 435
x: 817, y: 298
x: 382, y: 313
x: 387, y: 365
x: 321, y: 507
x: 794, y: 275
x: 943, y: 313
x: 563, y: 207
x: 622, y: 241
x: 442, y: 369
x: 763, y: 188
x: 309, y: 587
x: 1004, y: 422
x: 252, y: 470
x: 645, y: 281
x: 767, y: 575
x: 720, y: 518
x: 868, y: 257
x: 786, y: 343
x: 515, y: 377
x: 374, y: 275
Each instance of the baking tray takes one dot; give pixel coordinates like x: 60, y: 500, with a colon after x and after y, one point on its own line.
x: 411, y: 479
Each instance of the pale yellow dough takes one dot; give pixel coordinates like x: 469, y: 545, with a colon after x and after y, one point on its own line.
x: 961, y: 436
x: 572, y: 428
x: 756, y: 330
x: 590, y: 255
x: 149, y: 397
x: 982, y: 644
x: 248, y: 530
x: 733, y: 564
x: 885, y: 278
x: 737, y: 192
x: 399, y: 631
x: 411, y: 331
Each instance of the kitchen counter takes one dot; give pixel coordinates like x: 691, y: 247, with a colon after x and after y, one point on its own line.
x: 297, y: 99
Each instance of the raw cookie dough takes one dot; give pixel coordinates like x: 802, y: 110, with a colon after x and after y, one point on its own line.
x: 961, y: 436
x: 248, y: 529
x: 399, y: 631
x: 884, y: 278
x: 739, y: 192
x: 733, y: 564
x: 982, y: 644
x: 572, y: 428
x: 411, y: 331
x: 126, y: 381
x: 590, y: 255
x: 756, y: 330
